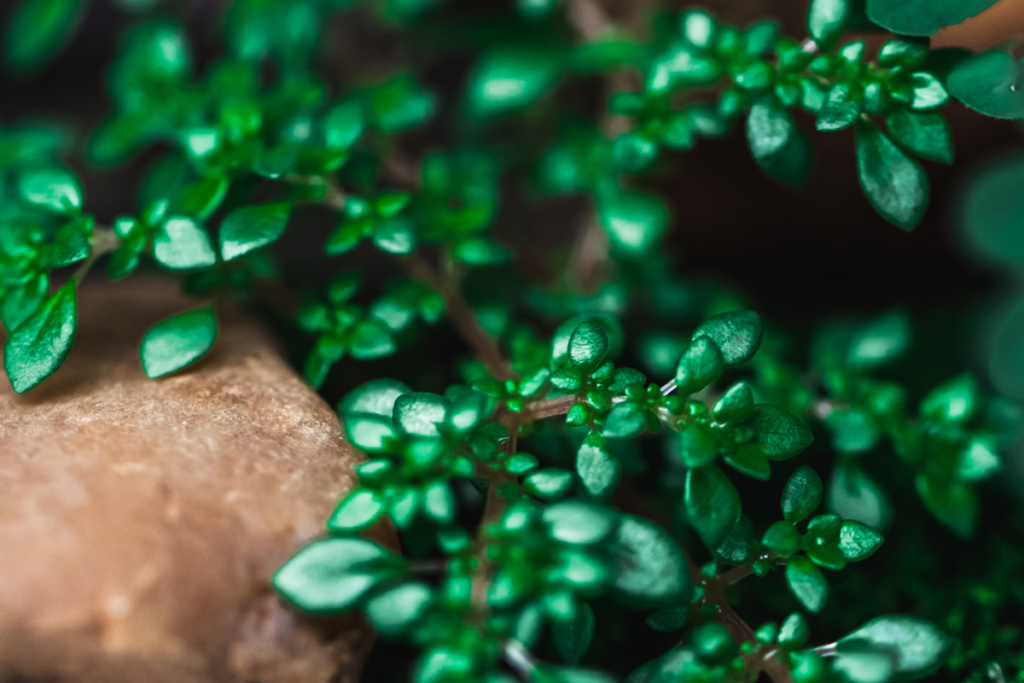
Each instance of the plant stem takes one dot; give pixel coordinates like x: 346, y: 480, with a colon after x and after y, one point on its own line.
x: 549, y: 407
x: 103, y: 241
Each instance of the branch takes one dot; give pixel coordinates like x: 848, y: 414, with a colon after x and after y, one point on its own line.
x: 549, y: 407
x: 103, y: 241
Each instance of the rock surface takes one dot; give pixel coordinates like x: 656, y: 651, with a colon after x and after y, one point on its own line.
x: 140, y: 520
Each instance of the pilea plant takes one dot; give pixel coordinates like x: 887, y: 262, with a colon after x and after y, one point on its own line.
x: 534, y: 510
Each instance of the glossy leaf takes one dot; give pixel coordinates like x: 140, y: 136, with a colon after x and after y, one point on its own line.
x: 650, y: 568
x: 508, y: 79
x: 826, y: 20
x: 894, y: 183
x: 599, y: 471
x: 700, y: 365
x: 177, y: 342
x: 252, y: 227
x: 737, y: 335
x: 395, y: 610
x: 588, y: 346
x: 712, y: 504
x: 52, y: 188
x: 990, y: 83
x: 777, y: 143
x: 779, y: 435
x: 359, y: 509
x: 634, y: 222
x: 857, y: 541
x: 953, y: 503
x: 41, y: 343
x: 919, y: 647
x: 182, y: 244
x: 922, y: 17
x: 807, y: 583
x: 802, y: 494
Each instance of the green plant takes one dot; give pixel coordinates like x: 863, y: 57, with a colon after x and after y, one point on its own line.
x: 579, y: 527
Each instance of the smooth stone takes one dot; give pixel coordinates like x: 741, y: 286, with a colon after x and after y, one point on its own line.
x: 141, y: 520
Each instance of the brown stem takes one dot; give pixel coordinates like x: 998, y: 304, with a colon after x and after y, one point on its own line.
x: 484, y: 346
x: 104, y: 241
x: 549, y: 407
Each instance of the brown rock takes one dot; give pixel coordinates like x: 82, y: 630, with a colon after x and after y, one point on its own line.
x: 140, y: 520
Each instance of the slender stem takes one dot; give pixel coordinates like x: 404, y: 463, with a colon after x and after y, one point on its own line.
x: 549, y: 407
x: 519, y: 658
x: 103, y: 241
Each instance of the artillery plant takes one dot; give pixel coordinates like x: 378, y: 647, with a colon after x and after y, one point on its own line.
x: 553, y: 496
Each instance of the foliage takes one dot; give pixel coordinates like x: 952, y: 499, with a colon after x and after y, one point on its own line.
x: 579, y: 524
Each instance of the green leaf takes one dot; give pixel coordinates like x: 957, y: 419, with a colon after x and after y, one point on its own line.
x: 700, y: 365
x: 955, y: 401
x: 857, y: 541
x: 918, y: 646
x: 990, y: 83
x: 18, y: 303
x: 953, y: 503
x: 839, y: 111
x: 599, y: 471
x: 201, y: 198
x: 588, y: 346
x: 780, y: 436
x: 182, y: 244
x: 794, y: 632
x: 359, y: 509
x: 395, y: 610
x: 420, y: 414
x: 43, y: 340
x: 669, y: 619
x: 510, y: 78
x: 712, y: 504
x: 807, y: 583
x: 854, y: 496
x: 626, y: 420
x: 178, y: 341
x: 578, y: 522
x: 36, y: 30
x: 371, y: 339
x: 827, y: 19
x: 782, y: 538
x: 376, y: 397
x: 894, y: 183
x: 252, y: 227
x: 331, y: 575
x: 481, y: 252
x: 923, y: 17
x: 777, y: 143
x: 735, y: 405
x: 879, y: 341
x: 737, y: 335
x: 857, y: 663
x: 650, y: 568
x: 549, y: 483
x: 571, y: 637
x: 343, y: 124
x: 52, y: 188
x: 697, y: 446
x: 802, y: 494
x: 749, y: 460
x: 634, y: 221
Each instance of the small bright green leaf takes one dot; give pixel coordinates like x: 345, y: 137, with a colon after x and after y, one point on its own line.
x: 635, y: 222
x: 854, y: 496
x: 895, y: 184
x: 344, y: 124
x: 857, y: 541
x: 794, y: 632
x: 331, y: 575
x: 859, y: 664
x: 826, y: 20
x: 392, y: 612
x: 839, y: 111
x: 181, y: 340
x: 252, y: 227
x: 712, y: 504
x: 990, y: 83
x: 481, y: 252
x: 182, y: 244
x: 777, y: 142
x: 697, y: 446
x: 549, y: 483
x: 782, y: 538
x: 779, y: 435
x: 510, y: 78
x: 571, y: 637
x: 737, y: 335
x: 376, y: 397
x: 19, y: 303
x: 979, y: 460
x: 735, y: 405
x: 650, y: 568
x: 439, y: 503
x: 578, y: 522
x: 599, y: 471
x: 371, y: 339
x: 802, y: 494
x: 625, y: 420
x: 918, y: 645
x: 359, y: 509
x: 700, y: 365
x: 43, y: 340
x: 922, y: 17
x: 420, y: 414
x: 52, y: 188
x: 807, y: 583
x: 588, y: 346
x: 879, y: 341
x: 749, y: 460
x: 955, y: 401
x: 202, y: 198
x: 36, y: 30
